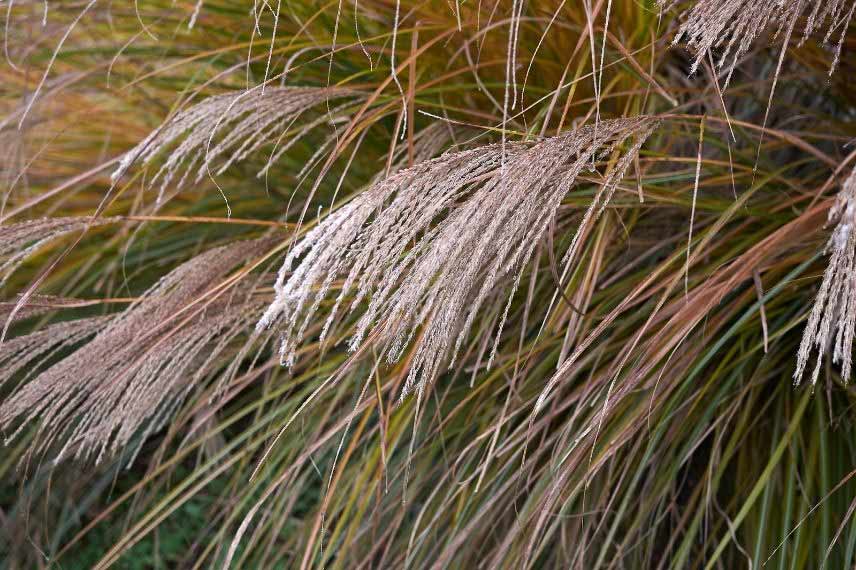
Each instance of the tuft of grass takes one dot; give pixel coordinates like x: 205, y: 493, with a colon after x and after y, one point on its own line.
x: 396, y: 284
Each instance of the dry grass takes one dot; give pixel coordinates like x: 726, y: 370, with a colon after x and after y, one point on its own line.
x: 547, y: 273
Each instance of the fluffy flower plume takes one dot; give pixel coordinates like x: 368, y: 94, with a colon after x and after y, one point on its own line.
x: 833, y: 316
x: 19, y: 241
x: 728, y: 27
x: 222, y: 130
x: 139, y: 366
x: 426, y: 247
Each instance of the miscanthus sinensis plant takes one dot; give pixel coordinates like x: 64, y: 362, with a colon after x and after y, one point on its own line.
x: 366, y: 284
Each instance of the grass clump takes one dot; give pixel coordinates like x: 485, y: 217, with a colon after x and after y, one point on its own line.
x: 427, y: 284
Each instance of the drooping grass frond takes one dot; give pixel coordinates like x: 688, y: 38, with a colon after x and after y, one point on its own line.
x: 224, y: 129
x: 26, y: 353
x: 428, y: 245
x: 727, y: 28
x: 148, y: 359
x: 19, y: 241
x: 832, y: 321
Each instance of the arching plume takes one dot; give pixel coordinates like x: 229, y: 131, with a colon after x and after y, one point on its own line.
x: 832, y: 321
x: 222, y: 130
x: 128, y: 380
x: 427, y: 246
x: 19, y: 241
x: 727, y: 28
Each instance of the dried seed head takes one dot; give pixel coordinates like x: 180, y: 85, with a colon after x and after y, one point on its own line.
x: 19, y: 241
x: 224, y: 129
x: 833, y: 316
x: 129, y: 379
x: 729, y: 27
x: 428, y: 246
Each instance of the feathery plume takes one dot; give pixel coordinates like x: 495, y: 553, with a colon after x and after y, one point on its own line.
x: 730, y: 26
x: 19, y: 241
x: 429, y: 245
x: 833, y: 316
x: 233, y: 126
x: 148, y: 358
